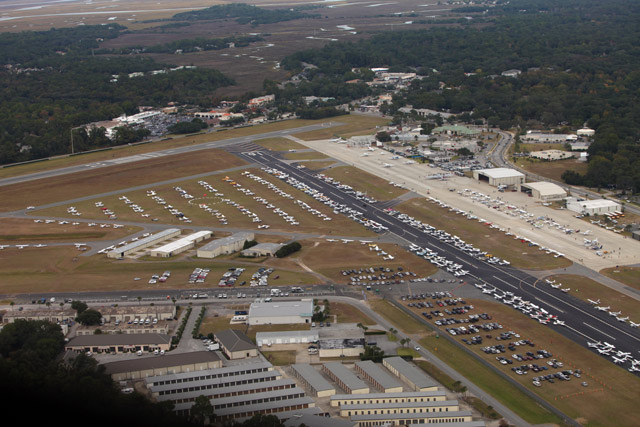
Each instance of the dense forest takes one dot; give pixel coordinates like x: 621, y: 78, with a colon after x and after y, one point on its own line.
x: 245, y: 14
x: 52, y: 82
x: 580, y: 63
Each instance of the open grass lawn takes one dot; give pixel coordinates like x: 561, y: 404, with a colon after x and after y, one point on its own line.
x: 347, y: 313
x: 318, y: 164
x: 280, y: 358
x: 630, y: 276
x: 331, y: 258
x: 553, y: 170
x: 608, y: 396
x: 67, y: 187
x: 279, y: 144
x: 62, y: 269
x: 360, y: 180
x: 15, y: 230
x: 584, y: 288
x: 397, y: 317
x: 353, y: 125
x: 407, y: 351
x: 482, y: 236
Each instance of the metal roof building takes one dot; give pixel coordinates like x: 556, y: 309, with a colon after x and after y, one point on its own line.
x: 593, y: 207
x: 286, y: 337
x: 280, y: 312
x: 408, y: 372
x: 313, y: 380
x: 225, y: 245
x: 263, y: 249
x: 371, y: 398
x: 412, y: 418
x: 186, y: 377
x: 310, y: 420
x: 346, y: 379
x: 373, y: 373
x: 143, y: 243
x: 545, y: 191
x: 500, y: 177
x: 181, y: 245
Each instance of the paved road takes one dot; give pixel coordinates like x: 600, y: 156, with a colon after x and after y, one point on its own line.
x: 582, y: 322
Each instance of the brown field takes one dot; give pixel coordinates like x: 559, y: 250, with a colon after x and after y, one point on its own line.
x: 347, y: 313
x: 67, y: 187
x: 62, y: 269
x: 553, y: 170
x: 481, y: 236
x: 305, y: 155
x: 279, y: 144
x: 330, y: 258
x: 354, y: 125
x: 630, y: 276
x: 317, y: 165
x: 374, y: 186
x: 25, y: 230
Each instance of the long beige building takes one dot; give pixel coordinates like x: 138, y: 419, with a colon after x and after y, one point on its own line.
x: 224, y: 246
x: 157, y: 366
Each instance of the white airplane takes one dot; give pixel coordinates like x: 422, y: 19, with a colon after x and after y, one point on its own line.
x: 371, y: 149
x: 364, y: 155
x: 4, y: 246
x: 559, y: 322
x: 346, y: 240
x: 388, y: 258
x: 37, y: 220
x: 603, y: 308
x: 633, y: 369
x: 117, y: 225
x: 618, y: 361
x: 594, y: 344
x: 331, y: 240
x: 623, y: 354
x: 409, y: 162
x: 622, y: 319
x: 594, y: 302
x: 565, y: 290
x: 556, y: 286
x: 634, y: 325
x: 40, y: 245
x: 604, y: 351
x: 614, y: 313
x: 21, y: 246
x: 387, y: 165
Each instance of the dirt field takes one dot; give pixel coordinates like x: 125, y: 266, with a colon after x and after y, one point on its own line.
x: 66, y: 187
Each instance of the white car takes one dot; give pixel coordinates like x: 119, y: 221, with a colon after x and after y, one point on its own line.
x: 416, y: 348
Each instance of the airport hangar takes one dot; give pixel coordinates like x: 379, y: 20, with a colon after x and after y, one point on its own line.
x: 593, y: 207
x: 545, y: 191
x: 280, y: 312
x: 500, y: 177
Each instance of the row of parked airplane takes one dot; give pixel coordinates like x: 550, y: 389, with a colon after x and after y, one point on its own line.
x: 619, y: 357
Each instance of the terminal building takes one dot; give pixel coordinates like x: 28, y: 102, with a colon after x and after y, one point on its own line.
x: 280, y: 312
x: 181, y: 245
x: 500, y: 177
x: 545, y: 191
x: 144, y: 243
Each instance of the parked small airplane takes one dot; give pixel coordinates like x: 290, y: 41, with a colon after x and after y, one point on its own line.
x: 603, y: 308
x: 615, y: 313
x: 594, y: 302
x: 387, y: 165
x: 618, y: 361
x: 634, y: 325
x: 622, y: 319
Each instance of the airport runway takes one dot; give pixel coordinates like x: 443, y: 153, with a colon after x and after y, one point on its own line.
x: 161, y: 153
x: 582, y: 322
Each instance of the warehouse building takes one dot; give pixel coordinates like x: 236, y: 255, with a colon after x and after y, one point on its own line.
x: 374, y: 398
x: 593, y: 207
x: 399, y: 419
x: 235, y: 344
x: 119, y: 343
x: 142, y: 244
x: 147, y: 367
x: 280, y: 312
x: 552, y: 138
x: 225, y: 245
x: 346, y: 379
x: 399, y: 408
x: 313, y: 380
x: 286, y: 337
x: 310, y: 420
x: 373, y: 373
x: 341, y: 340
x: 190, y: 376
x: 181, y: 245
x: 500, y: 177
x: 408, y: 372
x: 262, y: 249
x: 551, y: 155
x: 545, y: 191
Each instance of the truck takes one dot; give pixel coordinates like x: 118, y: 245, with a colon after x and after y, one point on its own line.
x: 275, y: 292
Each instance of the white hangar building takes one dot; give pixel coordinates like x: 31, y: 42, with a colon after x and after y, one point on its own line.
x: 545, y: 191
x: 500, y: 177
x: 280, y: 312
x: 593, y: 207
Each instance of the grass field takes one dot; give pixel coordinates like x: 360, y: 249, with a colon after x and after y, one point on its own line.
x: 280, y: 358
x: 354, y: 125
x: 584, y: 288
x: 347, y: 313
x: 15, y: 230
x: 610, y: 388
x: 630, y: 276
x: 482, y: 236
x: 305, y: 155
x: 553, y: 170
x: 374, y: 186
x: 397, y: 317
x: 87, y: 183
x: 279, y: 144
x: 331, y: 258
